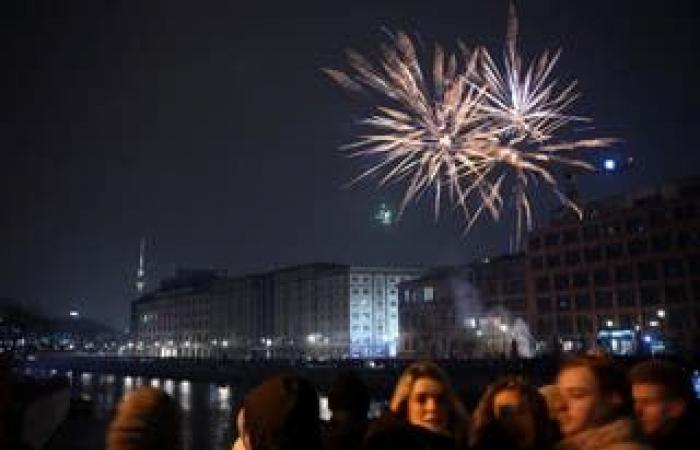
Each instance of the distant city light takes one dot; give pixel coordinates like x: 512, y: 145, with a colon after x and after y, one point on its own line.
x: 384, y: 215
x: 653, y: 323
x: 661, y: 313
x: 610, y: 164
x: 74, y: 313
x: 609, y: 323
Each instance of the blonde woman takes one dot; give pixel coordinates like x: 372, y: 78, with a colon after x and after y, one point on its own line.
x: 424, y: 412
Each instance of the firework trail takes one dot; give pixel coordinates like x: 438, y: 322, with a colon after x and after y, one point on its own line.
x: 485, y: 133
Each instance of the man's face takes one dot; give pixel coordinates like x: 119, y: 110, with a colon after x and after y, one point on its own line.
x: 427, y: 405
x: 654, y: 410
x: 581, y: 405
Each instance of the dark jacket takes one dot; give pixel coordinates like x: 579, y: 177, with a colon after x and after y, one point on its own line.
x: 343, y: 432
x: 391, y: 433
x: 685, y: 434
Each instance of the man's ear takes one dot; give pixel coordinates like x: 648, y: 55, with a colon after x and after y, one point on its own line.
x: 676, y: 407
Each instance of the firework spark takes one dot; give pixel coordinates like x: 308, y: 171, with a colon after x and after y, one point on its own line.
x: 483, y: 132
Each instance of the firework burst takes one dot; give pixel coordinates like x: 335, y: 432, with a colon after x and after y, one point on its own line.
x: 486, y: 134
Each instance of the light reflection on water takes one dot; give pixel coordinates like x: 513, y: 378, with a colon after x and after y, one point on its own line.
x: 208, y: 408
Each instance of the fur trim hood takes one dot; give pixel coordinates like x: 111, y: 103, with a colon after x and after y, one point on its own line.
x: 617, y: 435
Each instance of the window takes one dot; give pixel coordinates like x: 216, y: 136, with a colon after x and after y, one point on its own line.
x: 637, y: 247
x: 537, y: 263
x: 551, y: 240
x: 658, y: 218
x: 561, y: 281
x: 535, y: 244
x: 687, y: 239
x: 584, y: 324
x: 661, y: 243
x: 647, y: 271
x: 626, y: 321
x: 565, y: 324
x: 428, y: 294
x: 592, y: 254
x: 544, y: 304
x: 694, y: 266
x: 601, y: 277
x: 635, y: 225
x: 685, y: 212
x: 675, y: 294
x: 614, y: 251
x: 625, y: 298
x: 564, y: 303
x: 553, y: 261
x: 603, y: 299
x: 544, y: 326
x: 613, y: 229
x: 542, y: 284
x: 572, y: 258
x: 590, y: 232
x: 673, y: 268
x: 581, y: 279
x: 515, y: 304
x: 624, y: 274
x: 571, y: 236
x: 649, y: 296
x: 582, y: 301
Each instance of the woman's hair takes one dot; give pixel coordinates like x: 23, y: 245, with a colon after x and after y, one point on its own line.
x: 147, y: 419
x: 282, y: 413
x: 484, y: 417
x: 457, y: 416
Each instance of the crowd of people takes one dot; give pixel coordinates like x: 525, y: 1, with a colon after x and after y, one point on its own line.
x: 591, y: 405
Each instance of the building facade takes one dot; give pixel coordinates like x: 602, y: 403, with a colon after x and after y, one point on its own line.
x: 629, y: 271
x: 475, y: 310
x: 438, y: 315
x: 314, y: 310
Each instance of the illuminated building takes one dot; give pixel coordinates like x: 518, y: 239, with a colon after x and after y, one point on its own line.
x: 632, y: 264
x: 314, y: 310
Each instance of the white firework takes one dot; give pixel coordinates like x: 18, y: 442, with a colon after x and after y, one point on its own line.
x: 485, y: 133
x: 423, y: 131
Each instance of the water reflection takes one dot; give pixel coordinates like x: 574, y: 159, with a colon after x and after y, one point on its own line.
x: 208, y: 408
x: 169, y: 387
x: 185, y: 397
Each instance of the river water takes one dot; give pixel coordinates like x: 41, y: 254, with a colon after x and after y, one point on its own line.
x: 208, y: 409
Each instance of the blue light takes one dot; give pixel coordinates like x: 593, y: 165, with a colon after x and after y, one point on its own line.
x: 610, y: 164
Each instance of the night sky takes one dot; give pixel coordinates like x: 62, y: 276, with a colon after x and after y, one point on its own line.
x: 209, y: 128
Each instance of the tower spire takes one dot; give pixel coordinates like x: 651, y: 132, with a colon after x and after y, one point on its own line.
x: 141, y: 271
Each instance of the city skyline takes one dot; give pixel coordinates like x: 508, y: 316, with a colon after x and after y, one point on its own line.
x: 212, y: 131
